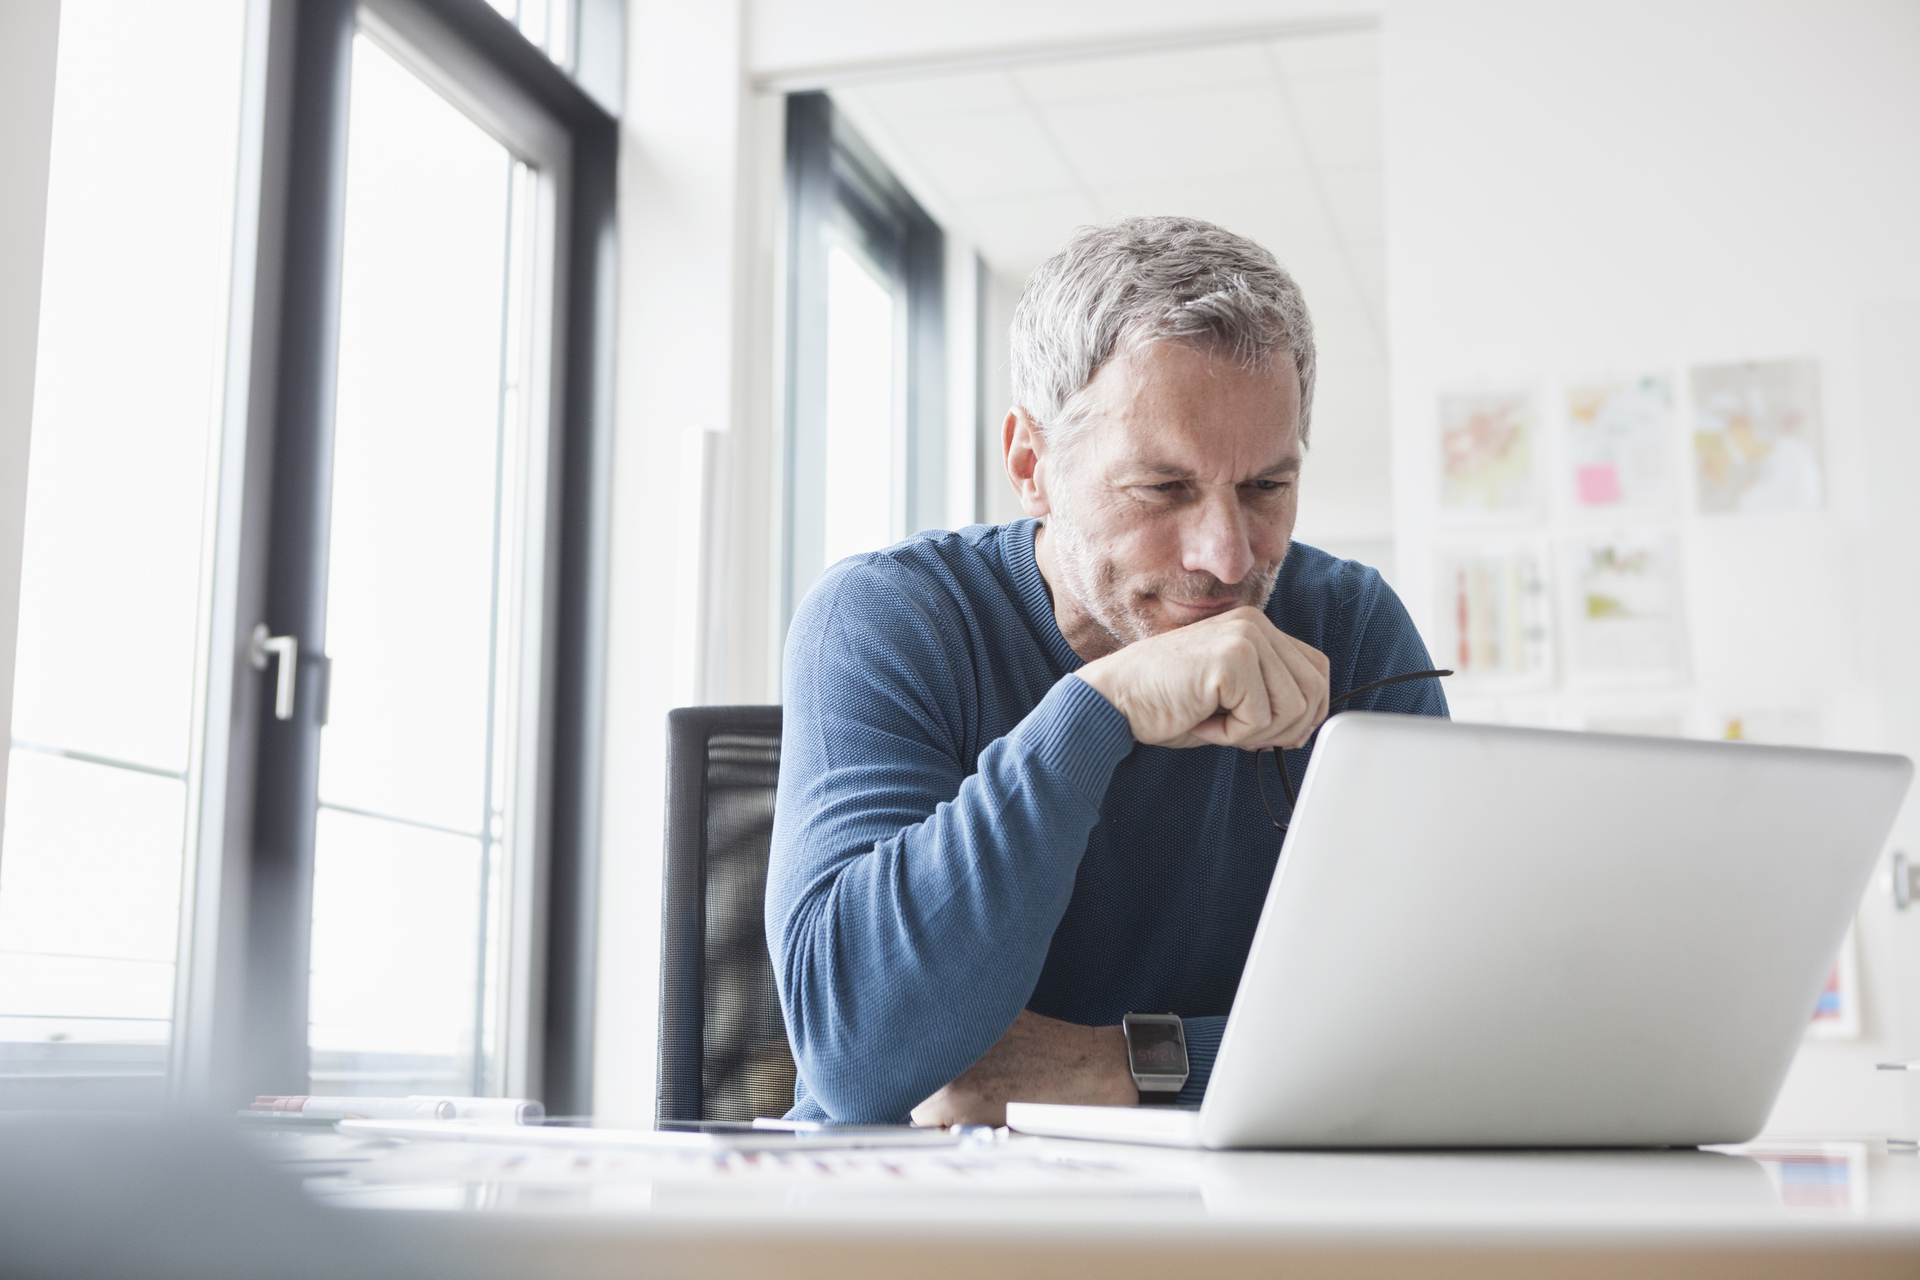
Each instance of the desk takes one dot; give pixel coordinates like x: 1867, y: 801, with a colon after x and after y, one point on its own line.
x: 1053, y: 1208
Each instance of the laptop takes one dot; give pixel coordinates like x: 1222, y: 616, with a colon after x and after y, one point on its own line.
x: 1483, y: 936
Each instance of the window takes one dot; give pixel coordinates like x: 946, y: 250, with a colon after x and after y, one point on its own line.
x: 102, y: 780
x: 861, y: 417
x: 349, y: 458
x: 866, y: 410
x: 435, y: 523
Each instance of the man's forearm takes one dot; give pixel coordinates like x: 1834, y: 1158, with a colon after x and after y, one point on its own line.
x: 1039, y: 1059
x: 903, y: 961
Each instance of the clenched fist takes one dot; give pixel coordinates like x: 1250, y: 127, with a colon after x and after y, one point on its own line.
x: 1233, y: 680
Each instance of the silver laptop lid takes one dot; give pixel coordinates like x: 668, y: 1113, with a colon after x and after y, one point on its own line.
x: 1482, y: 935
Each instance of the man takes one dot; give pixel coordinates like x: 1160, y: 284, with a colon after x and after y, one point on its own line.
x: 1018, y: 792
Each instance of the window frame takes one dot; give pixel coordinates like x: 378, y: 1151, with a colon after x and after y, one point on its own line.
x: 240, y: 1017
x: 834, y: 180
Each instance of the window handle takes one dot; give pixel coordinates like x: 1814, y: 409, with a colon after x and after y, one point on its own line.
x: 287, y: 650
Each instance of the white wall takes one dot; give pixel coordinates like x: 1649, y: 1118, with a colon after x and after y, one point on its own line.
x: 1643, y: 185
x: 682, y: 367
x: 29, y: 36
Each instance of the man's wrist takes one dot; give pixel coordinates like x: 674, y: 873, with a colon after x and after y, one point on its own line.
x: 1113, y: 1083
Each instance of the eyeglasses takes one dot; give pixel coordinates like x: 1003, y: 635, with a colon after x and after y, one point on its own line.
x: 1280, y: 761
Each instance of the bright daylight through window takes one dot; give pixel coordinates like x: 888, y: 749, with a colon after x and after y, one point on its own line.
x: 862, y: 419
x: 127, y: 403
x: 420, y: 834
x: 430, y: 679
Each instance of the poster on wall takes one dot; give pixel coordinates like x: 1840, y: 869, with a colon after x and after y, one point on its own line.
x: 1756, y: 436
x: 1619, y: 444
x: 1495, y: 614
x: 1487, y: 447
x: 1623, y: 608
x: 1836, y: 1015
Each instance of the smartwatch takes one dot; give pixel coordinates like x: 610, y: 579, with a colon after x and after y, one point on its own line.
x: 1157, y: 1056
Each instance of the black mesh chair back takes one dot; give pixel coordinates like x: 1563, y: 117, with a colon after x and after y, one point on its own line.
x: 723, y: 1046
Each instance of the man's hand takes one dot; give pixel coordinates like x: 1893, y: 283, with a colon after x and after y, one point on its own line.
x: 1039, y: 1059
x: 1233, y: 680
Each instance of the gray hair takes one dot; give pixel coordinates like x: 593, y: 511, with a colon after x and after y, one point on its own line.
x: 1117, y: 288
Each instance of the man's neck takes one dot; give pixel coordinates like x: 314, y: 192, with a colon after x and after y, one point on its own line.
x: 1084, y: 636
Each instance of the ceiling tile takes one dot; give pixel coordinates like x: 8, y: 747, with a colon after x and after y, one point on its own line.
x: 1339, y: 54
x: 1145, y: 75
x: 1277, y: 212
x: 1224, y: 133
x: 1017, y: 234
x: 1340, y: 120
x: 1000, y: 152
x: 1358, y: 200
x: 939, y: 95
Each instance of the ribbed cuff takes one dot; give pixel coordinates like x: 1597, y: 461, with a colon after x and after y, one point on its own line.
x: 1203, y: 1046
x: 1077, y: 735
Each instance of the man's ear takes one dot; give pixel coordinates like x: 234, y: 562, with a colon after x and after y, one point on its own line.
x: 1026, y: 461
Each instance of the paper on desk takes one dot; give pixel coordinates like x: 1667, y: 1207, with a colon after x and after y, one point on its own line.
x: 1019, y: 1167
x: 824, y: 1137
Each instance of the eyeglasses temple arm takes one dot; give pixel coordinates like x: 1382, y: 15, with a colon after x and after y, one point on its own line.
x: 1370, y: 687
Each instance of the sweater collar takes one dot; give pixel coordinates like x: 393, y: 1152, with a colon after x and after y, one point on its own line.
x: 1035, y: 599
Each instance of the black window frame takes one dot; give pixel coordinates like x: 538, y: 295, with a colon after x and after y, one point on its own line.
x: 259, y: 1016
x: 834, y: 178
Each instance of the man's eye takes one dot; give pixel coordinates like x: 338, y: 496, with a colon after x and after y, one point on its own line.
x: 1268, y: 486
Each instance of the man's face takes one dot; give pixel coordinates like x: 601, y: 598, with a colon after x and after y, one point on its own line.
x: 1178, y: 500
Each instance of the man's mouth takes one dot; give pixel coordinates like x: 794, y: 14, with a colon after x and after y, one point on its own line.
x: 1216, y: 604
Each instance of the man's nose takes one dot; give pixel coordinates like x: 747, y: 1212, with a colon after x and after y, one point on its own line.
x: 1217, y: 540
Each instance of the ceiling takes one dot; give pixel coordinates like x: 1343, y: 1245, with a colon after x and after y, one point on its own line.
x: 1278, y: 139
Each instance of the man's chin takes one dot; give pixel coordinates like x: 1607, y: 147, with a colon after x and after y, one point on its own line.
x: 1180, y: 613
x: 1157, y: 616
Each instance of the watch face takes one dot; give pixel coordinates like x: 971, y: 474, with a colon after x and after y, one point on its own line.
x: 1156, y: 1049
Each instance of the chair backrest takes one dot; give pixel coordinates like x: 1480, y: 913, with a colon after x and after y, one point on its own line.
x: 723, y: 1046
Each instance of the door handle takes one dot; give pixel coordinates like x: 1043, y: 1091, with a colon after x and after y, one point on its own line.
x: 287, y: 650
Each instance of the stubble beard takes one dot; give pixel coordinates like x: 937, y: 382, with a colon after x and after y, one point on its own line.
x: 1124, y: 611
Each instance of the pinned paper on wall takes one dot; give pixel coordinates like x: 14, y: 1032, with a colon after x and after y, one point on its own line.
x: 1619, y: 443
x: 1756, y: 436
x: 1496, y: 613
x: 1624, y: 618
x: 1836, y: 1014
x: 1780, y: 728
x: 1487, y: 450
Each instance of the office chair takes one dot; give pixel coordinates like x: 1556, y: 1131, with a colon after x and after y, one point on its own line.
x: 723, y: 1046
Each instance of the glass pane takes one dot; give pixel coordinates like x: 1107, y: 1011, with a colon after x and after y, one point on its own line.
x: 394, y: 976
x: 126, y: 409
x: 89, y: 897
x: 410, y: 577
x: 860, y: 434
x: 430, y: 437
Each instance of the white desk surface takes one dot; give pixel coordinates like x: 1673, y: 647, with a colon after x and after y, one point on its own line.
x: 1034, y: 1206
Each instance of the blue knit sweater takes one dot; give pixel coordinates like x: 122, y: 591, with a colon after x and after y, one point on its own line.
x: 965, y: 829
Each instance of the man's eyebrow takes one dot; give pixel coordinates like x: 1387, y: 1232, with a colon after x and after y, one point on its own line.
x: 1286, y: 466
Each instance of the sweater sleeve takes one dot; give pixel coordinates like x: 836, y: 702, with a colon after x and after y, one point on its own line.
x: 911, y: 900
